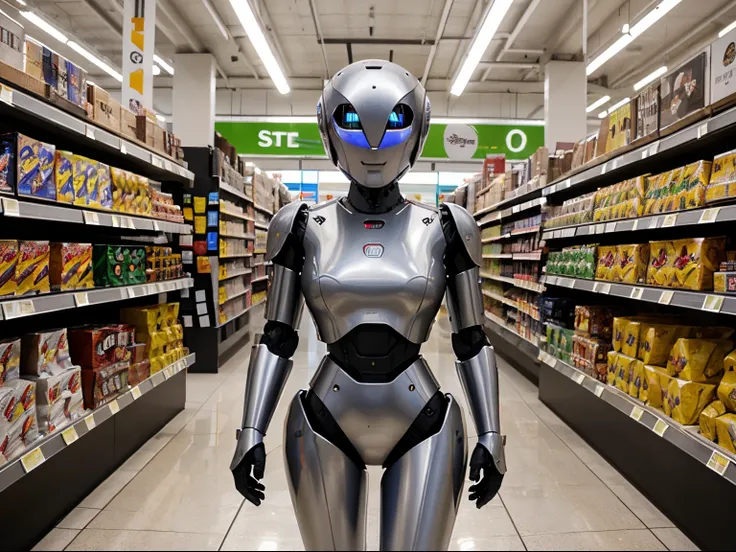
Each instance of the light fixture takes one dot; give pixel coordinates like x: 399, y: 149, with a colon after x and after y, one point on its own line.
x: 596, y: 104
x: 161, y: 118
x: 44, y: 26
x: 162, y: 63
x: 635, y: 31
x: 602, y: 114
x: 156, y: 70
x: 89, y: 56
x: 258, y: 40
x: 486, y: 32
x: 626, y: 28
x: 21, y: 2
x: 650, y: 77
x: 727, y: 30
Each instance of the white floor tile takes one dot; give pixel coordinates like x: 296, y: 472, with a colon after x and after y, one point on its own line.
x: 78, y: 518
x: 57, y: 539
x: 607, y: 540
x: 674, y: 539
x: 104, y: 539
x: 106, y: 491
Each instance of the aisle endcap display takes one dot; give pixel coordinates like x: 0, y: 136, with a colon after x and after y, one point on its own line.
x: 66, y: 436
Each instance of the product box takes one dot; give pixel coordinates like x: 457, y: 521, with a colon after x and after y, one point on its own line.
x: 94, y: 348
x: 694, y: 261
x: 59, y: 399
x: 81, y: 171
x: 16, y: 398
x: 657, y: 341
x: 620, y: 127
x: 11, y: 45
x: 697, y: 360
x: 660, y: 270
x: 684, y: 90
x: 9, y: 360
x: 62, y: 78
x: 32, y: 271
x: 135, y: 268
x: 647, y: 112
x: 722, y: 179
x: 92, y: 181
x: 34, y: 59
x: 695, y: 181
x: 726, y: 431
x: 29, y: 168
x: 631, y: 263
x: 109, y: 265
x: 64, y: 176
x: 15, y: 438
x: 8, y: 263
x: 707, y: 419
x: 139, y: 372
x: 146, y: 129
x: 727, y: 385
x: 722, y: 57
x: 68, y: 263
x: 128, y: 123
x: 605, y: 269
x: 104, y: 186
x: 76, y: 84
x: 45, y: 353
x: 101, y: 386
x: 652, y: 390
x: 105, y: 110
x: 50, y: 65
x: 686, y: 400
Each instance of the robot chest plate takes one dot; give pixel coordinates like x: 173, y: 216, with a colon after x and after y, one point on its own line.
x: 363, y: 269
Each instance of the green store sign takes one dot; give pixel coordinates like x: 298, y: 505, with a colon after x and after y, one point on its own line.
x: 456, y: 142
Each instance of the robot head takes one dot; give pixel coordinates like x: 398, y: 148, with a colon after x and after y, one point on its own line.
x: 373, y: 118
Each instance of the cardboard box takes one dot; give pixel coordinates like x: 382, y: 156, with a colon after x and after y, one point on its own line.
x: 600, y: 146
x: 684, y: 90
x: 12, y: 37
x: 105, y: 110
x: 146, y: 129
x: 128, y: 123
x: 34, y: 59
x: 647, y: 112
x: 722, y: 77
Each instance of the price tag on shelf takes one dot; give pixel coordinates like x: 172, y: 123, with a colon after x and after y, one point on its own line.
x: 599, y: 390
x: 515, y: 209
x: 16, y: 309
x: 669, y: 220
x: 127, y: 222
x: 156, y: 226
x: 709, y: 215
x: 11, y: 207
x: 718, y: 463
x: 6, y: 95
x: 90, y: 217
x: 114, y: 407
x: 600, y: 228
x: 610, y: 227
x: 604, y: 168
x: 81, y: 299
x: 703, y: 130
x: 123, y: 148
x: 89, y: 132
x: 606, y: 289
x: 597, y: 287
x: 654, y: 149
x: 635, y: 225
x: 32, y: 460
x: 568, y: 183
x: 89, y: 421
x: 160, y: 288
x: 579, y: 378
x: 636, y: 293
x: 666, y: 297
x: 115, y: 221
x: 614, y: 163
x: 168, y: 166
x: 712, y: 303
x: 136, y: 392
x: 660, y: 427
x: 645, y: 153
x: 637, y: 413
x: 132, y: 292
x: 69, y: 435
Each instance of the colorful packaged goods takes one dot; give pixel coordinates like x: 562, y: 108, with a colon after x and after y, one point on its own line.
x: 722, y: 184
x: 607, y: 256
x: 590, y: 355
x: 15, y: 438
x: 69, y: 262
x: 64, y: 176
x: 726, y: 431
x: 631, y: 263
x: 135, y: 267
x: 9, y: 360
x: 578, y: 210
x: 8, y: 264
x: 686, y: 400
x: 576, y: 262
x: 27, y: 166
x: 697, y: 360
x: 636, y: 378
x: 45, y: 353
x: 657, y: 341
x: 59, y: 399
x: 653, y: 386
x: 596, y: 321
x: 17, y: 397
x: 695, y: 180
x: 32, y: 271
x: 118, y: 265
x: 95, y: 348
x: 613, y: 357
x: 622, y: 200
x: 80, y: 172
x: 138, y: 372
x: 707, y: 419
x: 695, y: 260
x: 104, y: 186
x: 660, y: 269
x: 92, y: 181
x: 727, y: 387
x: 103, y: 385
x: 626, y: 367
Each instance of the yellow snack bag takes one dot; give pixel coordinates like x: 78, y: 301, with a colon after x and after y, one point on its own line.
x: 698, y: 360
x: 727, y: 390
x: 726, y: 431
x: 686, y: 400
x: 606, y: 263
x: 657, y: 341
x: 652, y: 386
x: 612, y: 365
x: 723, y: 175
x: 694, y: 261
x: 632, y: 335
x: 631, y: 263
x: 624, y: 366
x: 707, y: 419
x: 660, y: 268
x: 636, y: 378
x: 696, y: 178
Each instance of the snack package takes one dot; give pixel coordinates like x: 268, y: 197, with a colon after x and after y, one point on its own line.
x: 103, y: 385
x: 9, y: 360
x: 657, y: 341
x: 594, y: 321
x: 8, y: 264
x: 59, y: 399
x: 722, y: 178
x: 94, y: 348
x: 613, y: 357
x: 697, y: 360
x: 32, y: 272
x: 134, y: 271
x: 64, y: 176
x: 66, y: 264
x: 686, y: 400
x: 727, y: 389
x: 636, y: 378
x: 30, y: 166
x: 726, y: 431
x: 653, y: 386
x: 660, y: 269
x: 624, y: 367
x: 46, y: 154
x: 139, y: 372
x: 86, y: 279
x: 695, y: 180
x: 606, y: 263
x: 16, y: 398
x: 631, y: 263
x: 694, y: 262
x: 632, y: 335
x: 92, y: 182
x: 104, y: 185
x: 707, y: 419
x: 45, y: 353
x: 80, y: 174
x: 17, y: 437
x: 109, y: 265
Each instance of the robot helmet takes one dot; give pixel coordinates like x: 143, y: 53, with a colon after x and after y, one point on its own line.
x: 373, y: 117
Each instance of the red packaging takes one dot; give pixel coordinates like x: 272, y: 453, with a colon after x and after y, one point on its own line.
x: 93, y: 348
x: 101, y: 386
x: 139, y: 372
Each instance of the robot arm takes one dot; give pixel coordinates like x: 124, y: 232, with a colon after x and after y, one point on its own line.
x: 269, y: 360
x: 476, y: 364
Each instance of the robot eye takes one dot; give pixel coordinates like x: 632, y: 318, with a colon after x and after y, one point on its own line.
x: 400, y: 117
x: 346, y: 117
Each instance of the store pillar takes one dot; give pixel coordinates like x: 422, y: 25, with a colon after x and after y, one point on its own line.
x: 194, y: 99
x: 565, y: 97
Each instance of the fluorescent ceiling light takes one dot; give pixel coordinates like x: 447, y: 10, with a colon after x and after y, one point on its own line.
x: 156, y: 70
x: 161, y: 118
x: 615, y: 106
x: 626, y: 28
x: 596, y: 104
x: 727, y: 30
x: 162, y: 63
x: 44, y: 26
x: 635, y: 31
x: 21, y: 2
x: 650, y: 77
x: 602, y: 114
x: 89, y: 56
x: 482, y: 39
x: 258, y: 40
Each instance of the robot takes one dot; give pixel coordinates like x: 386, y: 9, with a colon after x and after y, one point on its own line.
x: 373, y: 269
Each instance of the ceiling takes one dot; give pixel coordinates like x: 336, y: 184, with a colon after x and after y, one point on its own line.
x: 539, y: 30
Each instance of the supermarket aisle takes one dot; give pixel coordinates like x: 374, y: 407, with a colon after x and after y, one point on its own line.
x: 177, y: 492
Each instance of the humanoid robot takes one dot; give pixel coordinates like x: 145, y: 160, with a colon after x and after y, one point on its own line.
x: 373, y: 268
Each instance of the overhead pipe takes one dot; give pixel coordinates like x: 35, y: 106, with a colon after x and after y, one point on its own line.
x: 514, y: 34
x: 318, y: 28
x: 437, y: 37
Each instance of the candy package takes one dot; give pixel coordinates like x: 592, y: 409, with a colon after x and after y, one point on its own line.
x: 68, y: 263
x: 8, y: 264
x: 16, y: 398
x: 727, y: 389
x: 103, y: 385
x: 32, y: 272
x: 605, y: 269
x: 64, y: 176
x: 45, y: 353
x: 657, y: 341
x: 694, y: 262
x: 686, y: 400
x: 9, y: 360
x: 653, y: 386
x: 697, y: 360
x: 104, y: 185
x: 15, y: 438
x: 722, y: 185
x: 660, y: 269
x: 59, y: 399
x: 726, y: 431
x: 707, y: 419
x: 631, y: 263
x: 80, y: 174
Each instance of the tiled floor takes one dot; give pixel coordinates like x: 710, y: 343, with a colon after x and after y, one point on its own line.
x: 176, y: 492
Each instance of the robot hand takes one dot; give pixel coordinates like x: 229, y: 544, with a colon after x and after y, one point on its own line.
x: 250, y: 456
x: 489, y: 457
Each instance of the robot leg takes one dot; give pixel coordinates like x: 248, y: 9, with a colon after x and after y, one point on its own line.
x: 421, y: 491
x: 327, y: 485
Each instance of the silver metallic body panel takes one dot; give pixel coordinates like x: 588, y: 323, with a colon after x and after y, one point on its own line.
x: 267, y: 375
x: 465, y: 300
x: 374, y: 416
x: 327, y: 489
x: 420, y: 493
x: 284, y: 299
x: 402, y: 288
x: 280, y: 226
x: 468, y: 230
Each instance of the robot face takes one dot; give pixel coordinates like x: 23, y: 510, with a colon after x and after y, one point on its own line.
x: 373, y: 118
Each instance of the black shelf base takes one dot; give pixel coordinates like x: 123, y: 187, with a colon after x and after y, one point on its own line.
x: 54, y: 488
x: 695, y: 498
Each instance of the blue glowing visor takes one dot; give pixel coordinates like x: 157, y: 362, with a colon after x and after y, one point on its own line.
x: 355, y: 137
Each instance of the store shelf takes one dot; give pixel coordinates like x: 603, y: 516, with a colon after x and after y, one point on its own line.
x: 496, y: 238
x: 500, y: 322
x: 498, y: 256
x: 261, y: 226
x: 261, y: 279
x: 93, y: 138
x: 234, y: 215
x: 710, y: 215
x: 239, y: 294
x: 237, y: 236
x: 236, y: 256
x: 235, y: 275
x: 240, y: 314
x: 518, y: 282
x: 685, y: 438
x: 18, y: 208
x: 500, y: 298
x: 54, y: 443
x: 696, y: 300
x: 513, y: 211
x: 225, y: 187
x: 19, y: 307
x: 532, y: 256
x: 522, y: 231
x: 263, y: 209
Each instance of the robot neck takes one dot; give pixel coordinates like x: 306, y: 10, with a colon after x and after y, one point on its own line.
x: 374, y: 200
